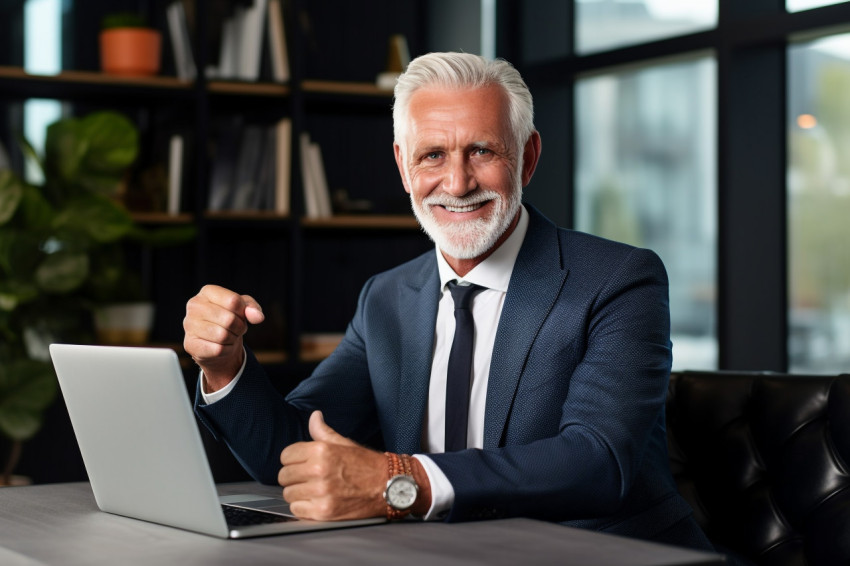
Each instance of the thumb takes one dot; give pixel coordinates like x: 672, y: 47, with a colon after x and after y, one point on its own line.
x: 320, y: 431
x: 253, y: 310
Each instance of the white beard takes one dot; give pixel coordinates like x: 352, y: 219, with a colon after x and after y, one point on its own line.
x: 471, y: 238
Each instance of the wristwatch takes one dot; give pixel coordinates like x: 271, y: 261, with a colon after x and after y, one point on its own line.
x: 401, y: 492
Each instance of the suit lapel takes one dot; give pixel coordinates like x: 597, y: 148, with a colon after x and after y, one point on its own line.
x: 419, y: 297
x: 536, y: 282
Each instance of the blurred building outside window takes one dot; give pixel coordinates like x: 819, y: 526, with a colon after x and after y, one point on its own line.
x: 819, y: 205
x: 646, y: 175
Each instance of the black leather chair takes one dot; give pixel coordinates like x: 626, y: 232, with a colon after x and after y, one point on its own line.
x: 764, y: 460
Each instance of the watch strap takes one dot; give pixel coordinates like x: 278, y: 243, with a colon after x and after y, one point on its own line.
x: 397, y: 465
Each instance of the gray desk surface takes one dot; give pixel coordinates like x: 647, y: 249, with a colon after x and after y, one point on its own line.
x: 60, y: 524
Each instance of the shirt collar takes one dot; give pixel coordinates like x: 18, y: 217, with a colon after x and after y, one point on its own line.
x: 495, y: 271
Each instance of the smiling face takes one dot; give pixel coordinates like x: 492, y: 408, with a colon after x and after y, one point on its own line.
x: 461, y: 165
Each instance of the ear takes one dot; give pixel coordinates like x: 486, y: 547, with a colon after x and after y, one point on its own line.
x: 399, y: 161
x: 530, y: 156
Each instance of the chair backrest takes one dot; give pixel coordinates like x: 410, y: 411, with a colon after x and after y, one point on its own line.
x: 764, y: 460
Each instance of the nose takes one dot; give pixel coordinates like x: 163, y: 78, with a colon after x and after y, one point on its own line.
x: 459, y: 179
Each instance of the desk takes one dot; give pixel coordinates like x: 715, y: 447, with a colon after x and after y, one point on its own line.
x: 60, y: 524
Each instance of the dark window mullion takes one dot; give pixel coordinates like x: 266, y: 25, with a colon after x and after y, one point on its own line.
x: 752, y: 264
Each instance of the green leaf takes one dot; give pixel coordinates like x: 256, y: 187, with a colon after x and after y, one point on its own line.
x: 30, y: 153
x: 62, y: 272
x: 90, y: 153
x: 27, y: 388
x: 36, y: 212
x: 101, y: 218
x: 15, y: 293
x: 113, y: 142
x: 19, y: 253
x: 11, y: 192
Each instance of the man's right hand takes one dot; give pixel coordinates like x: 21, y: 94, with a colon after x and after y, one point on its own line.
x: 216, y: 319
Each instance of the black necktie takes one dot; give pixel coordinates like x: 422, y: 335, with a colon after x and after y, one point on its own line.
x: 460, y: 367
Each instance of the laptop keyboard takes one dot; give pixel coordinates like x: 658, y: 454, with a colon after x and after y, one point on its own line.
x: 238, y: 517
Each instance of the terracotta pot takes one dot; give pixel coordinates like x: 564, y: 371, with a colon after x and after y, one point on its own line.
x: 130, y: 51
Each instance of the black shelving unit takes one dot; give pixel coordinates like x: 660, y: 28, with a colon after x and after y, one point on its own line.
x: 281, y: 260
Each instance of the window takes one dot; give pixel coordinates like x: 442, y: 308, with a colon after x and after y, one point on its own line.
x: 645, y: 175
x: 799, y: 5
x: 819, y: 205
x: 42, y: 55
x: 605, y: 24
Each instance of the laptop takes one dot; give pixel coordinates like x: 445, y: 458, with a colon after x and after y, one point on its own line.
x: 140, y: 443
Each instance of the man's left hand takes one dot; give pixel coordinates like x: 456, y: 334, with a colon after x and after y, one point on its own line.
x: 332, y: 477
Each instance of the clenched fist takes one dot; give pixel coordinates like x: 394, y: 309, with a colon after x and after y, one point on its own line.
x: 216, y: 320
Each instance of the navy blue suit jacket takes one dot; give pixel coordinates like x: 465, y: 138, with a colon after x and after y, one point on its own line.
x: 574, y: 422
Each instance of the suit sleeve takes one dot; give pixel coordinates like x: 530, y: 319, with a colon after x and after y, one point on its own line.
x: 256, y: 422
x: 611, y: 414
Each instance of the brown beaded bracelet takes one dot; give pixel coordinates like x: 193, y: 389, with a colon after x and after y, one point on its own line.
x: 397, y: 464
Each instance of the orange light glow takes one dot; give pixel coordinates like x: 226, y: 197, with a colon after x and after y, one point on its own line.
x: 807, y: 121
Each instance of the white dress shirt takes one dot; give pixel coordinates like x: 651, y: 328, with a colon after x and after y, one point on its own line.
x: 494, y: 273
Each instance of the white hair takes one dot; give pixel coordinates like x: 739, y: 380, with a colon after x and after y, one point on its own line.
x: 464, y: 71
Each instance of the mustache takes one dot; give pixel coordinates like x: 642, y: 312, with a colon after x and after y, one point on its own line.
x: 477, y: 197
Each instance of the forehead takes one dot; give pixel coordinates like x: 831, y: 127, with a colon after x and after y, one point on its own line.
x: 442, y: 111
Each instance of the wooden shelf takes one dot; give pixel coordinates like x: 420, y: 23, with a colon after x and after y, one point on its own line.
x: 247, y: 88
x: 342, y: 87
x: 244, y: 215
x: 271, y: 356
x: 375, y: 221
x: 92, y: 77
x: 161, y: 218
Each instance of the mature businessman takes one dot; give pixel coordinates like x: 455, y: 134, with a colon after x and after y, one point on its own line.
x: 569, y: 363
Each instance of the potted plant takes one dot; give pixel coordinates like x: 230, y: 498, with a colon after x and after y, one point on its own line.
x: 128, y: 46
x: 61, y: 257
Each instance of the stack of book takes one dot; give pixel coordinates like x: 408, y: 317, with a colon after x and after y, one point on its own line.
x: 253, y: 38
x: 251, y: 169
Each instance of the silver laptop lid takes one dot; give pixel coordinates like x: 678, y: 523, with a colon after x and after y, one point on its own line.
x: 138, y: 437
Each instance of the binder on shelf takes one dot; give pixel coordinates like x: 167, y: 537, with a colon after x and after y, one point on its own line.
x: 277, y: 42
x: 398, y: 57
x: 311, y: 203
x: 247, y: 168
x: 320, y: 181
x: 181, y: 42
x: 283, y: 165
x: 262, y: 197
x: 251, y: 37
x: 229, y: 54
x: 175, y: 174
x: 224, y: 164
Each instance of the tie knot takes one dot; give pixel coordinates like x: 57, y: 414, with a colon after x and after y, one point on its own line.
x: 462, y: 294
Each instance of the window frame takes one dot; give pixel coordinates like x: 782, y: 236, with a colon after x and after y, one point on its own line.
x: 750, y: 43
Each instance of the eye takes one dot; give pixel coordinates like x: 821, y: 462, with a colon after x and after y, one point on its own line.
x: 433, y: 155
x: 481, y: 151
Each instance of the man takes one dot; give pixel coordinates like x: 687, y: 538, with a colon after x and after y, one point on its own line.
x: 569, y: 366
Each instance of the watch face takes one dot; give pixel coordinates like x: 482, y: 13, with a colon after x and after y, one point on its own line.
x: 401, y: 493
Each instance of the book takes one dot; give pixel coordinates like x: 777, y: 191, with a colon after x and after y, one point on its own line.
x: 320, y: 181
x: 251, y: 37
x: 311, y: 205
x: 262, y: 197
x: 175, y: 174
x: 229, y: 54
x: 277, y: 42
x: 398, y: 57
x: 224, y: 157
x: 247, y: 168
x: 283, y: 165
x: 181, y: 42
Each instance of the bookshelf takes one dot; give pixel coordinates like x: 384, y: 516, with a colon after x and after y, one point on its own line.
x: 331, y: 93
